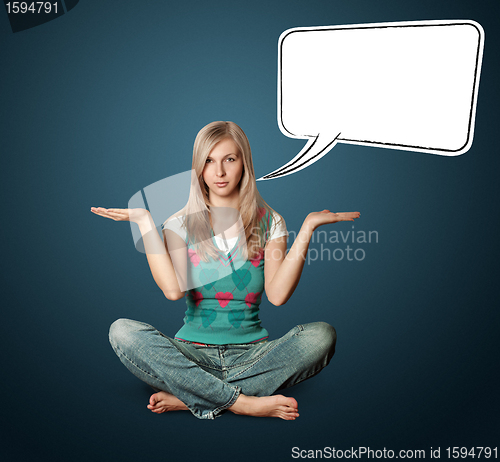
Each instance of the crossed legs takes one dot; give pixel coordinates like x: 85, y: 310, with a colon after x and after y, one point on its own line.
x: 191, y: 379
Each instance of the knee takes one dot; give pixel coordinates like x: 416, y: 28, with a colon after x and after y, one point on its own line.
x: 324, y: 336
x: 121, y: 333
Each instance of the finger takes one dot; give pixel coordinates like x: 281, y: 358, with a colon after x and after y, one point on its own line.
x: 120, y: 214
x: 103, y: 209
x: 111, y: 216
x: 348, y: 214
x: 100, y: 211
x: 101, y: 214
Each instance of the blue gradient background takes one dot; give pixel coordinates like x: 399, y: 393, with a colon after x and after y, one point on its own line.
x: 107, y: 99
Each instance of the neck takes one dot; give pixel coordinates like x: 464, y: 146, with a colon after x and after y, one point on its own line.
x: 232, y: 201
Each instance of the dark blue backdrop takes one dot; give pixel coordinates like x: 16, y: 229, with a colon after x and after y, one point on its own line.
x: 107, y: 99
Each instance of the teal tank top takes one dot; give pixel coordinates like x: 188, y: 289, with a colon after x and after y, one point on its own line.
x: 226, y: 310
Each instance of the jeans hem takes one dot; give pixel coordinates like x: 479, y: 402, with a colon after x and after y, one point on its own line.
x: 220, y: 410
x: 210, y: 415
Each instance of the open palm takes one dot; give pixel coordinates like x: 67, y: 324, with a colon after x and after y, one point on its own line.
x: 316, y: 219
x: 134, y: 215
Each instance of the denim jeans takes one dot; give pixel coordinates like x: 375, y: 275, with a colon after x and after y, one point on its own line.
x: 209, y: 379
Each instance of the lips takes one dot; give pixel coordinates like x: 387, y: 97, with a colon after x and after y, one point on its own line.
x: 221, y: 184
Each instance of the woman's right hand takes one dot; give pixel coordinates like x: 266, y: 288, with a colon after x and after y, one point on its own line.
x: 156, y: 250
x: 134, y: 215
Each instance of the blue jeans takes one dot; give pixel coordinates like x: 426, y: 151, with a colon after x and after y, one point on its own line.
x: 209, y: 379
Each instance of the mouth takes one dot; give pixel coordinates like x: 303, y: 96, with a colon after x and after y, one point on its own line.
x: 222, y: 184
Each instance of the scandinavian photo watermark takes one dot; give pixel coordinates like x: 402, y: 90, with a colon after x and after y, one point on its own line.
x: 338, y: 245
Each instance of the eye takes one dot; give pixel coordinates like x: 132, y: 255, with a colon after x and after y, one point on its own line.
x: 230, y: 159
x: 208, y: 160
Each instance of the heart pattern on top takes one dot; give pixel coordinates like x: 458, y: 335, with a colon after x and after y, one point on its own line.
x: 256, y: 261
x: 235, y: 318
x: 194, y: 257
x: 241, y: 278
x: 197, y: 297
x: 223, y: 298
x: 251, y: 298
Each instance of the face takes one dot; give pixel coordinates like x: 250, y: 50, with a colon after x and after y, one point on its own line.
x: 223, y: 171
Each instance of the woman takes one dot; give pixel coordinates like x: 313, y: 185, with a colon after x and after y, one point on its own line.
x: 220, y: 359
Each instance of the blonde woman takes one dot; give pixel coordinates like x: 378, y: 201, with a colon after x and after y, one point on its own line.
x: 221, y: 359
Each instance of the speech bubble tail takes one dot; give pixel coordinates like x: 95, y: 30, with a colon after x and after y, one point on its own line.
x: 314, y: 149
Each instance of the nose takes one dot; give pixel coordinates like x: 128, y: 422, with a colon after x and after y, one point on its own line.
x: 220, y: 170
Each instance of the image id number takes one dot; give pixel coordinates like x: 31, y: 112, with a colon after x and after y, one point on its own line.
x: 33, y: 7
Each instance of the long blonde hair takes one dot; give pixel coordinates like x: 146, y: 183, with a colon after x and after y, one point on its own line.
x: 251, y: 204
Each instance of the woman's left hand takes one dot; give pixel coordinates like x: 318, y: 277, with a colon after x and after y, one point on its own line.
x: 316, y: 219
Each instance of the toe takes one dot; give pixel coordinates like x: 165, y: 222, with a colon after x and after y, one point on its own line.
x: 287, y: 416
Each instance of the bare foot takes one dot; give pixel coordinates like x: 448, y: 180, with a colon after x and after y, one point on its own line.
x: 163, y: 402
x: 266, y: 406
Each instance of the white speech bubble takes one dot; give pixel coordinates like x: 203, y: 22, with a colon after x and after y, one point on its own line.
x: 404, y: 85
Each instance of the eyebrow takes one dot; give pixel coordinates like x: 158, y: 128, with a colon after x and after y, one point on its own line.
x: 227, y: 155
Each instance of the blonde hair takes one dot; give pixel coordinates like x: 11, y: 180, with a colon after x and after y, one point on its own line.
x: 251, y: 204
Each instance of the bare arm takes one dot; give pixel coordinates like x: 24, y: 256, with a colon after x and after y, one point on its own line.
x: 159, y: 259
x: 282, y: 274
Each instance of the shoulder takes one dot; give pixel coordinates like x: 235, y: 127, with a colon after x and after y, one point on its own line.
x: 176, y: 223
x: 278, y: 226
x: 273, y: 224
